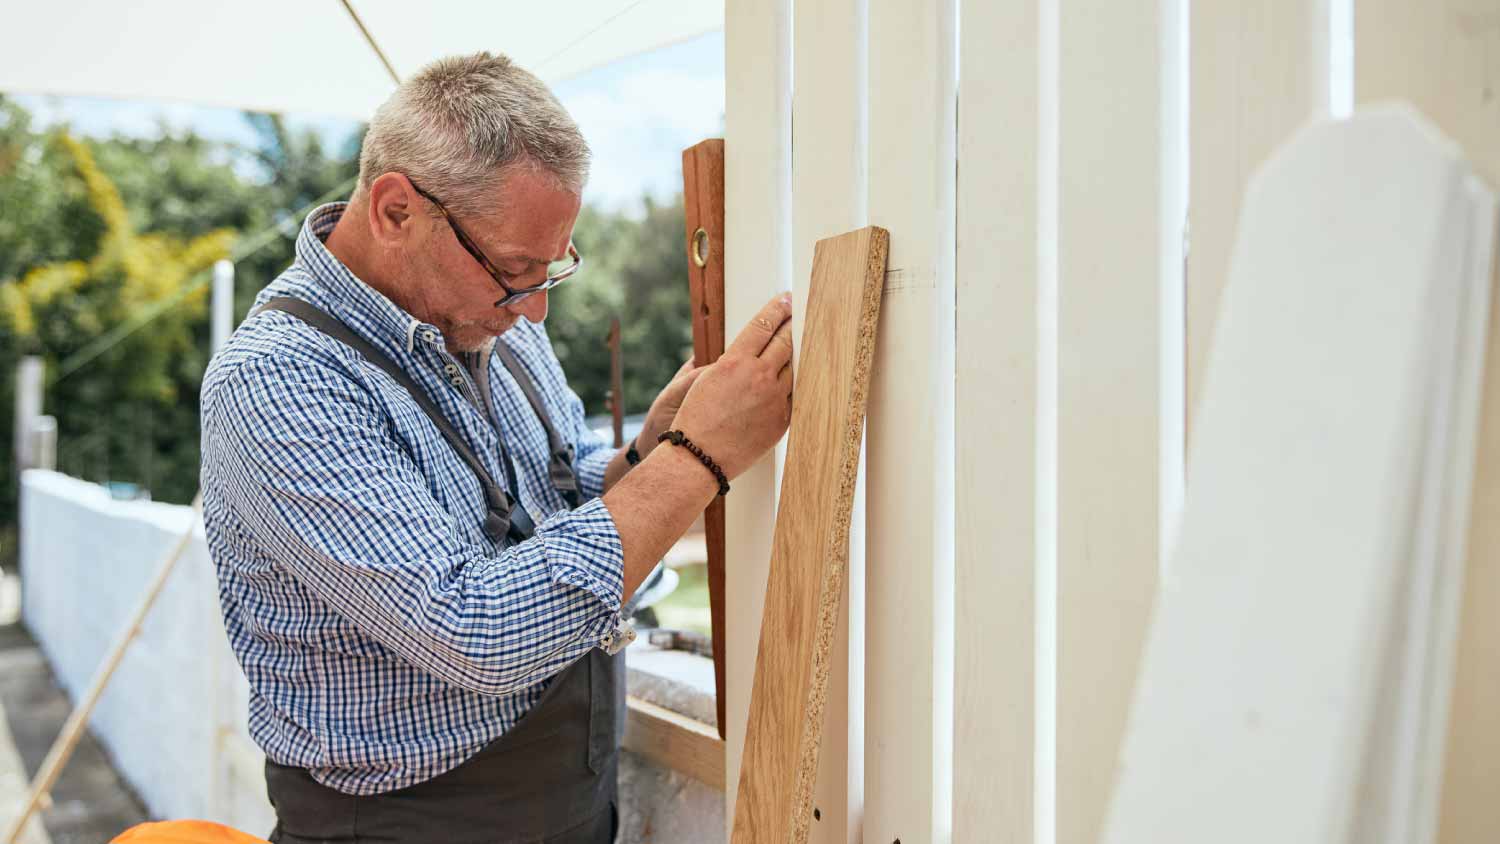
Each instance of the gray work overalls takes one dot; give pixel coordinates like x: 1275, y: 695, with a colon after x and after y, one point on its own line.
x: 551, y: 778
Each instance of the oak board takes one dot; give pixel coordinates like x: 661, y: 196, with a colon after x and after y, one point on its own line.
x: 810, y: 549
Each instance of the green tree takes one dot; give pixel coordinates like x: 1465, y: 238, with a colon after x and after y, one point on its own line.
x: 635, y: 268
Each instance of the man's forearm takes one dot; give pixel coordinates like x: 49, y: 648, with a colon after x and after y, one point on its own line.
x: 654, y: 505
x: 616, y: 468
x: 618, y: 465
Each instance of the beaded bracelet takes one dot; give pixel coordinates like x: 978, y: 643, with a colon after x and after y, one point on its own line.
x: 679, y: 438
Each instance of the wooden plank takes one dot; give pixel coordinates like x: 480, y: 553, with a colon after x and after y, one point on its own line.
x: 1260, y: 70
x: 1440, y: 56
x: 1000, y: 383
x: 757, y: 210
x: 909, y: 535
x: 829, y: 187
x: 811, y: 542
x: 674, y: 741
x: 1111, y: 263
x: 703, y: 197
x: 1288, y: 688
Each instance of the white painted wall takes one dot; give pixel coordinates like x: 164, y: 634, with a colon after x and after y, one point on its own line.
x: 85, y: 561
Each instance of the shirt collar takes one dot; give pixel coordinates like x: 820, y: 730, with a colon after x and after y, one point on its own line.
x: 361, y: 306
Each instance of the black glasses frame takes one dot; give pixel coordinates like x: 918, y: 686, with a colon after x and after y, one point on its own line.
x: 512, y: 294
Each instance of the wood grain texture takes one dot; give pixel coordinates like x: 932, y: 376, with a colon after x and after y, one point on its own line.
x: 1259, y: 71
x: 674, y: 741
x: 811, y: 542
x: 703, y: 198
x: 1440, y: 55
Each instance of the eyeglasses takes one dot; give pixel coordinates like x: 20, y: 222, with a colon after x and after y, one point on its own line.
x: 557, y: 271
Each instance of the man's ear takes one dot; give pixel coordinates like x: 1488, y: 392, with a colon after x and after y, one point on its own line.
x: 393, y: 209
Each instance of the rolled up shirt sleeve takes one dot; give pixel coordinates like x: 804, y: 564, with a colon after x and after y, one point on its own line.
x: 310, y: 465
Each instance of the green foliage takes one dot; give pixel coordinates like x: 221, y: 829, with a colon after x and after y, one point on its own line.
x: 95, y: 232
x: 55, y: 309
x: 636, y: 269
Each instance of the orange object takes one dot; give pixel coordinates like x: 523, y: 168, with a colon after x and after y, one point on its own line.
x: 184, y: 832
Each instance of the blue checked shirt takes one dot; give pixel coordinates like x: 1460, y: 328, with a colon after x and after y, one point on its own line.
x: 385, y: 637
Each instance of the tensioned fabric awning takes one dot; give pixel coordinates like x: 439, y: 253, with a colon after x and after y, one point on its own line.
x: 309, y: 55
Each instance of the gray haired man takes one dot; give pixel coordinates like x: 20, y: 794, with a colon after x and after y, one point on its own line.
x: 422, y: 550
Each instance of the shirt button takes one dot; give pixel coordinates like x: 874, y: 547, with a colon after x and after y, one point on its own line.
x: 451, y: 369
x: 429, y: 336
x: 458, y: 382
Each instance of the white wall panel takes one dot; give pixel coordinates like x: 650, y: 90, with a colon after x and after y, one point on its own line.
x: 910, y: 522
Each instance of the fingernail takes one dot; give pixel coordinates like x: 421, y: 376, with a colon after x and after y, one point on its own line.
x: 786, y: 298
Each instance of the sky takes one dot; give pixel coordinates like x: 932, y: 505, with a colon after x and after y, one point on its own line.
x: 637, y: 114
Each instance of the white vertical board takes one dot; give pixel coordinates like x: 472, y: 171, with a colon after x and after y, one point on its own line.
x: 1259, y: 71
x: 1005, y: 317
x: 1294, y: 683
x: 1112, y: 203
x: 1441, y: 56
x: 830, y: 123
x: 909, y: 533
x: 757, y: 263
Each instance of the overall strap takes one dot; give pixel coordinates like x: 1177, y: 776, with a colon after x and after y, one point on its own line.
x: 560, y: 461
x: 503, y: 522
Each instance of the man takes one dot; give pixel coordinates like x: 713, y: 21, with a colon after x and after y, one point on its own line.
x: 422, y: 551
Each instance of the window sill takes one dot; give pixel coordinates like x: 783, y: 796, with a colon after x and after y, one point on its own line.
x: 670, y: 715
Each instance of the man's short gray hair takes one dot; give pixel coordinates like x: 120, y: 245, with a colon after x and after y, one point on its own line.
x: 458, y: 125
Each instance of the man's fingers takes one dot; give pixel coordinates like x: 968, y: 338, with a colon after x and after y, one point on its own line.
x: 778, y: 351
x: 784, y: 378
x: 752, y: 340
x: 686, y: 378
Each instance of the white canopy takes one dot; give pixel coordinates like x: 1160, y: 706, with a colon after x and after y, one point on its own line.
x: 309, y: 56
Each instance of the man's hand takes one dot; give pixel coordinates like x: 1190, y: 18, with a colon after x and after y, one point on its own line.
x: 664, y: 409
x: 739, y: 407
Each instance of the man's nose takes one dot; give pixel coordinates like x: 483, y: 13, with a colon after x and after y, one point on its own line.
x: 534, y: 308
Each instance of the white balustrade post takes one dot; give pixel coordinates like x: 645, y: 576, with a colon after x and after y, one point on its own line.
x: 757, y: 264
x: 1259, y: 71
x: 1005, y: 421
x: 829, y: 182
x: 909, y: 534
x: 44, y: 443
x: 1119, y: 446
x: 223, y: 303
x: 29, y: 375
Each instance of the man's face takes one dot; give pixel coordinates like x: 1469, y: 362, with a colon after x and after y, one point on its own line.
x: 532, y: 227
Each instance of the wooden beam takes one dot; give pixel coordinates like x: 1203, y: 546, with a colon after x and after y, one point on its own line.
x: 829, y: 185
x: 1004, y: 381
x: 757, y: 210
x: 675, y: 742
x: 1440, y: 56
x: 1113, y: 230
x: 909, y: 535
x: 811, y: 543
x: 1260, y: 70
x: 703, y: 197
